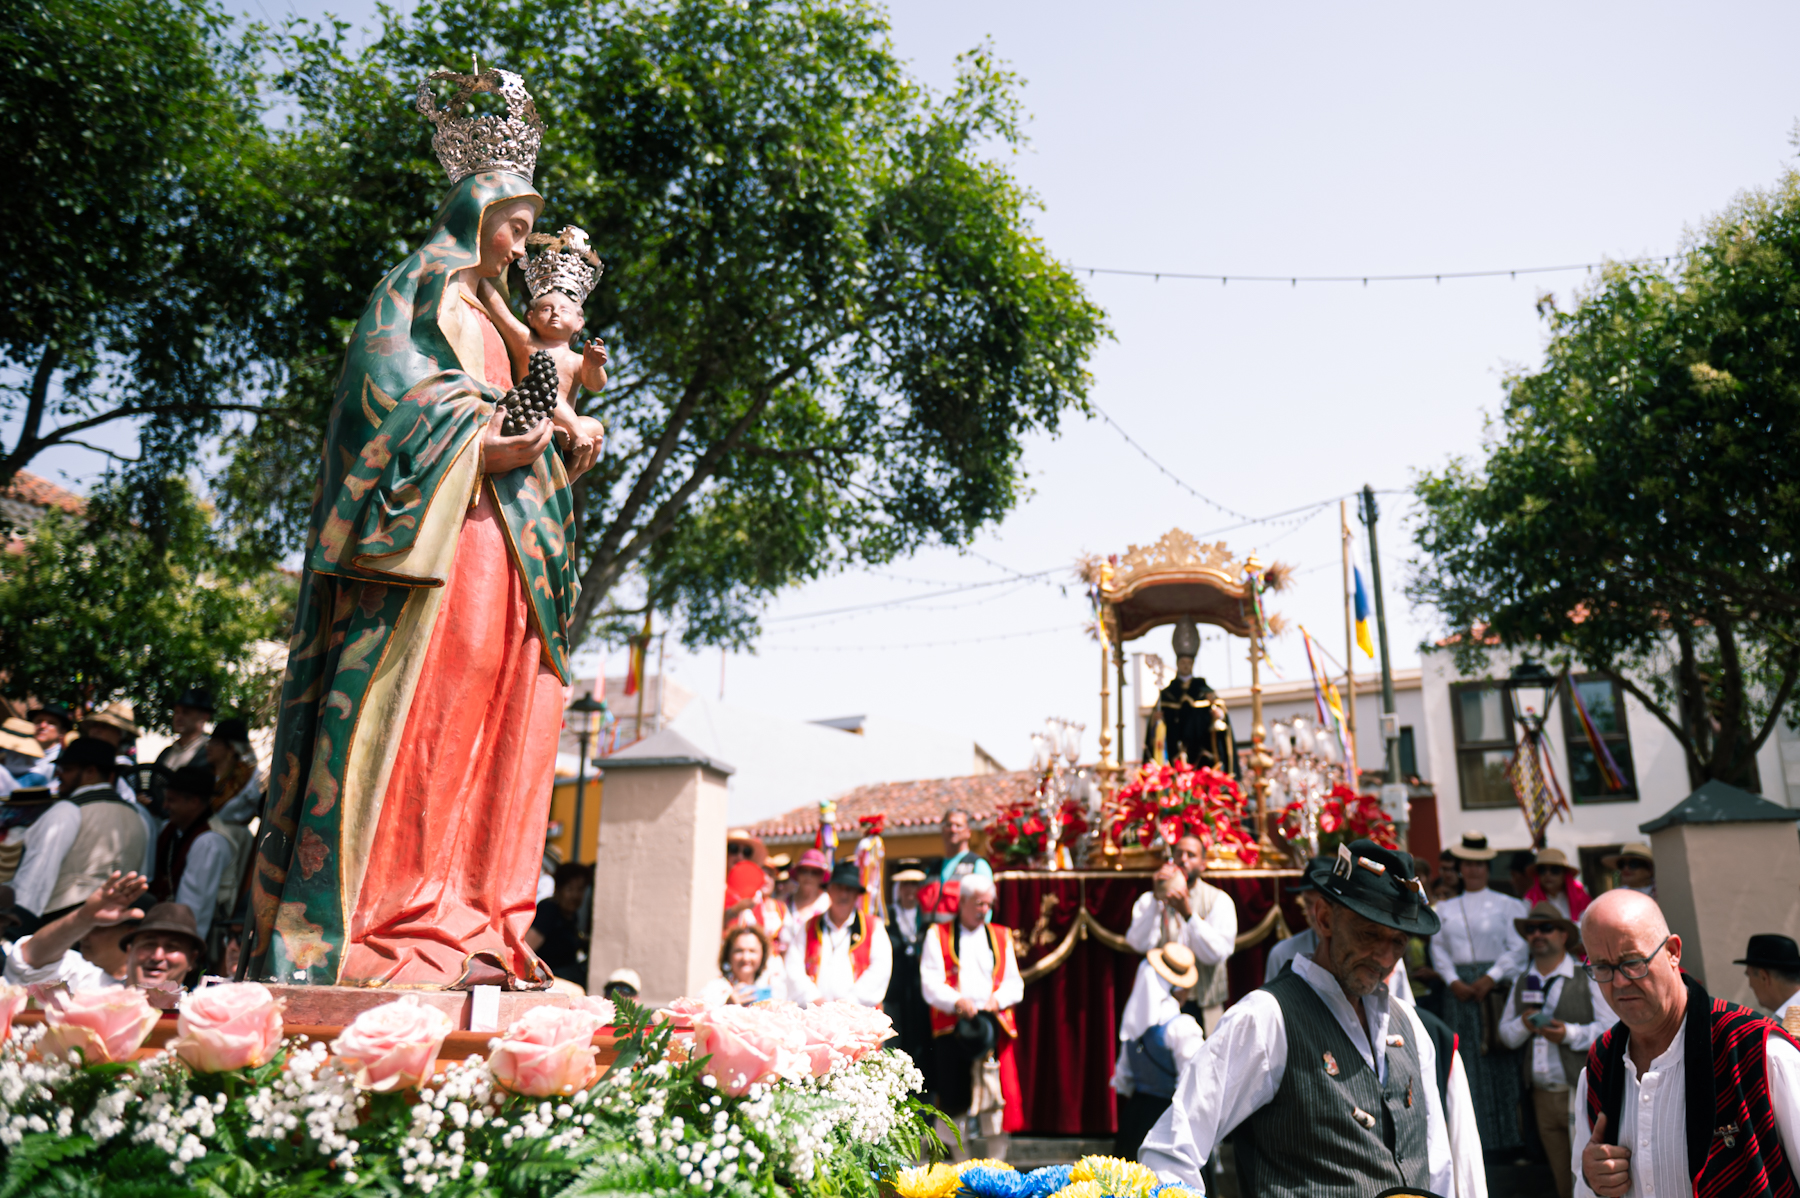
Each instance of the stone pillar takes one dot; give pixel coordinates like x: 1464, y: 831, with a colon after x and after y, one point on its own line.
x: 1727, y: 867
x: 659, y: 877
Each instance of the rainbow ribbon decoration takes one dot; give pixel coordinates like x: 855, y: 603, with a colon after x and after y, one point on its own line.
x: 1610, y: 773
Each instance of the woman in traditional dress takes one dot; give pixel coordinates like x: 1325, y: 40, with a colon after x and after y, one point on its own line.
x: 416, y: 741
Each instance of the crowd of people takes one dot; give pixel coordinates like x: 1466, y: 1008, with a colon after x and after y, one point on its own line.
x: 945, y: 973
x: 118, y: 871
x: 1413, y: 1034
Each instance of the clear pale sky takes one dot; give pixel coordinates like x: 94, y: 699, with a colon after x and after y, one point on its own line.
x: 1261, y: 139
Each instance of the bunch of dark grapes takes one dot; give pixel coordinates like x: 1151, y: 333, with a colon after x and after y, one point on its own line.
x: 533, y: 399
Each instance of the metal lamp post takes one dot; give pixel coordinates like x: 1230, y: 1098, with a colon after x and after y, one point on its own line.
x: 584, y: 713
x: 1531, y: 688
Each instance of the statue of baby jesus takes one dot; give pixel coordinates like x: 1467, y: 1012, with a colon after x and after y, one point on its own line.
x: 559, y: 278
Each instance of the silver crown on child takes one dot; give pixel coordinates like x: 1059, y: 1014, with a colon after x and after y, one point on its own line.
x: 466, y: 145
x: 564, y: 264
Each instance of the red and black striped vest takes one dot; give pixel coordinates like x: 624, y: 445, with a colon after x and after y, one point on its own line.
x: 1733, y: 1147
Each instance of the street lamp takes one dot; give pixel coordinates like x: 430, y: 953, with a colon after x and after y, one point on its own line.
x: 585, y: 716
x: 1532, y: 689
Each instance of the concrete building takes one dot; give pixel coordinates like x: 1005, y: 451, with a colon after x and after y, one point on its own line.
x: 1470, y: 730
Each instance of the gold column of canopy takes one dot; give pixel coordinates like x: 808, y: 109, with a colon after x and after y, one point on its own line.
x: 1177, y: 577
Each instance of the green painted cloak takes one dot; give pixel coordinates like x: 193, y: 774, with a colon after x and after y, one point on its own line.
x: 400, y: 470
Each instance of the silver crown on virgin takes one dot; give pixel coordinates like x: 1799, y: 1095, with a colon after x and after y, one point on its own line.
x: 565, y: 264
x: 466, y: 145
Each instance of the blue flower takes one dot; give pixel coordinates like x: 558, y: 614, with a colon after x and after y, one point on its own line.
x: 984, y: 1181
x: 1047, y: 1181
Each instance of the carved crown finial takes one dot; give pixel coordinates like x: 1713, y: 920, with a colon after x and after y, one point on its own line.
x: 566, y: 264
x: 466, y: 145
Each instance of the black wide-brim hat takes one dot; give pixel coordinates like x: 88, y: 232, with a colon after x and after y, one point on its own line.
x: 1378, y: 884
x: 1771, y: 952
x: 845, y: 873
x: 1306, y: 882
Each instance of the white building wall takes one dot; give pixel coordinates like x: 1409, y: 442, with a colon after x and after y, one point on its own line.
x: 1657, y: 760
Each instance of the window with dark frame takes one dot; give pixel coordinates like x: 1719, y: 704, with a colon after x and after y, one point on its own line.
x: 1605, y: 703
x: 1482, y: 713
x: 1409, y: 753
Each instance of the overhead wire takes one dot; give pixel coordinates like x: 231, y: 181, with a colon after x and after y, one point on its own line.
x: 1436, y: 276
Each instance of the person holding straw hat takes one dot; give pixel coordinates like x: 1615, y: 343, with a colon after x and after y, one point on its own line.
x: 1561, y: 1012
x: 1155, y: 1041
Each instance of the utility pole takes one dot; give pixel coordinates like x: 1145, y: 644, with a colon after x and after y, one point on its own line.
x: 1353, y: 773
x: 1390, y: 722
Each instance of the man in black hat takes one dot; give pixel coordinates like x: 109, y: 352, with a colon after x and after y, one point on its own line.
x: 188, y: 720
x: 1306, y: 942
x: 51, y: 723
x: 1772, y: 964
x: 1323, y: 1082
x: 837, y: 954
x: 905, y: 1003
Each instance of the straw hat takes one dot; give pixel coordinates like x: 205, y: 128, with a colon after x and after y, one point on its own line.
x: 1551, y: 857
x: 1639, y: 850
x: 1474, y: 847
x: 1175, y: 963
x: 20, y: 736
x: 118, y: 715
x: 1547, y: 912
x: 910, y: 875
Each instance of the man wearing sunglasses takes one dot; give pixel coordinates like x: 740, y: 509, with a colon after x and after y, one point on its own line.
x: 1687, y: 1094
x: 1561, y: 1012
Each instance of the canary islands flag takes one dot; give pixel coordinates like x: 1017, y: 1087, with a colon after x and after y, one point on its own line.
x: 1362, y: 614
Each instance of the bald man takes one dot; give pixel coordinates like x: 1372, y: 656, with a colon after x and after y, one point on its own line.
x: 1676, y: 1049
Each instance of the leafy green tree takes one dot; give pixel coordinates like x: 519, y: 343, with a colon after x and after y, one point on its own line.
x: 1638, y: 514
x: 95, y: 608
x: 129, y: 247
x: 831, y: 325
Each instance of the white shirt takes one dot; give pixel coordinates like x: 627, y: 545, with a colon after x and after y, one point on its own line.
x: 199, y: 890
x: 1546, y: 1062
x: 974, y: 972
x: 152, y: 829
x: 1307, y: 943
x: 47, y: 842
x: 1653, y: 1118
x: 72, y: 968
x: 1211, y: 931
x: 1241, y: 1066
x: 836, y: 980
x: 907, y: 919
x: 1478, y: 926
x: 242, y: 807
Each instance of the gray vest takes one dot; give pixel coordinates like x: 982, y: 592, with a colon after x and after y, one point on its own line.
x: 1574, y: 1004
x: 1308, y: 1142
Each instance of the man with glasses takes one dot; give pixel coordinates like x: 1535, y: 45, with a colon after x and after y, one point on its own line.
x: 1562, y: 1015
x: 1686, y: 1094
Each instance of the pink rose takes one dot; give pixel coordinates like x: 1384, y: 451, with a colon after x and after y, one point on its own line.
x: 394, y: 1045
x: 234, y: 1026
x: 749, y: 1045
x: 12, y: 1001
x: 602, y: 1008
x: 549, y: 1051
x: 106, y: 1025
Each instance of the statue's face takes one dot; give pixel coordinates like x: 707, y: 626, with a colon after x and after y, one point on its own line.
x: 1184, y: 666
x: 555, y: 317
x: 503, y: 231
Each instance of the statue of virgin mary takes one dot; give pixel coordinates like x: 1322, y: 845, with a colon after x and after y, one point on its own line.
x: 415, y: 745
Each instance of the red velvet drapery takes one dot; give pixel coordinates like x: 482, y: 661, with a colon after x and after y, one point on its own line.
x: 1069, y: 1019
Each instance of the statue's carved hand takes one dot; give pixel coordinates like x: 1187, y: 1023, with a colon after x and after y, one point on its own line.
x: 500, y: 453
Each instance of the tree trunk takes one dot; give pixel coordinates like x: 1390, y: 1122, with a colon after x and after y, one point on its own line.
x: 1734, y: 742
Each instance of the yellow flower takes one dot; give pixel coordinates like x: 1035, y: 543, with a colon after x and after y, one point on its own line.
x: 1121, y: 1178
x: 1177, y: 1192
x: 983, y: 1163
x: 1080, y: 1189
x: 927, y: 1181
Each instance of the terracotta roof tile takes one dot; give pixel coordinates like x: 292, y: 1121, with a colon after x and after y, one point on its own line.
x: 907, y: 805
x: 41, y: 492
